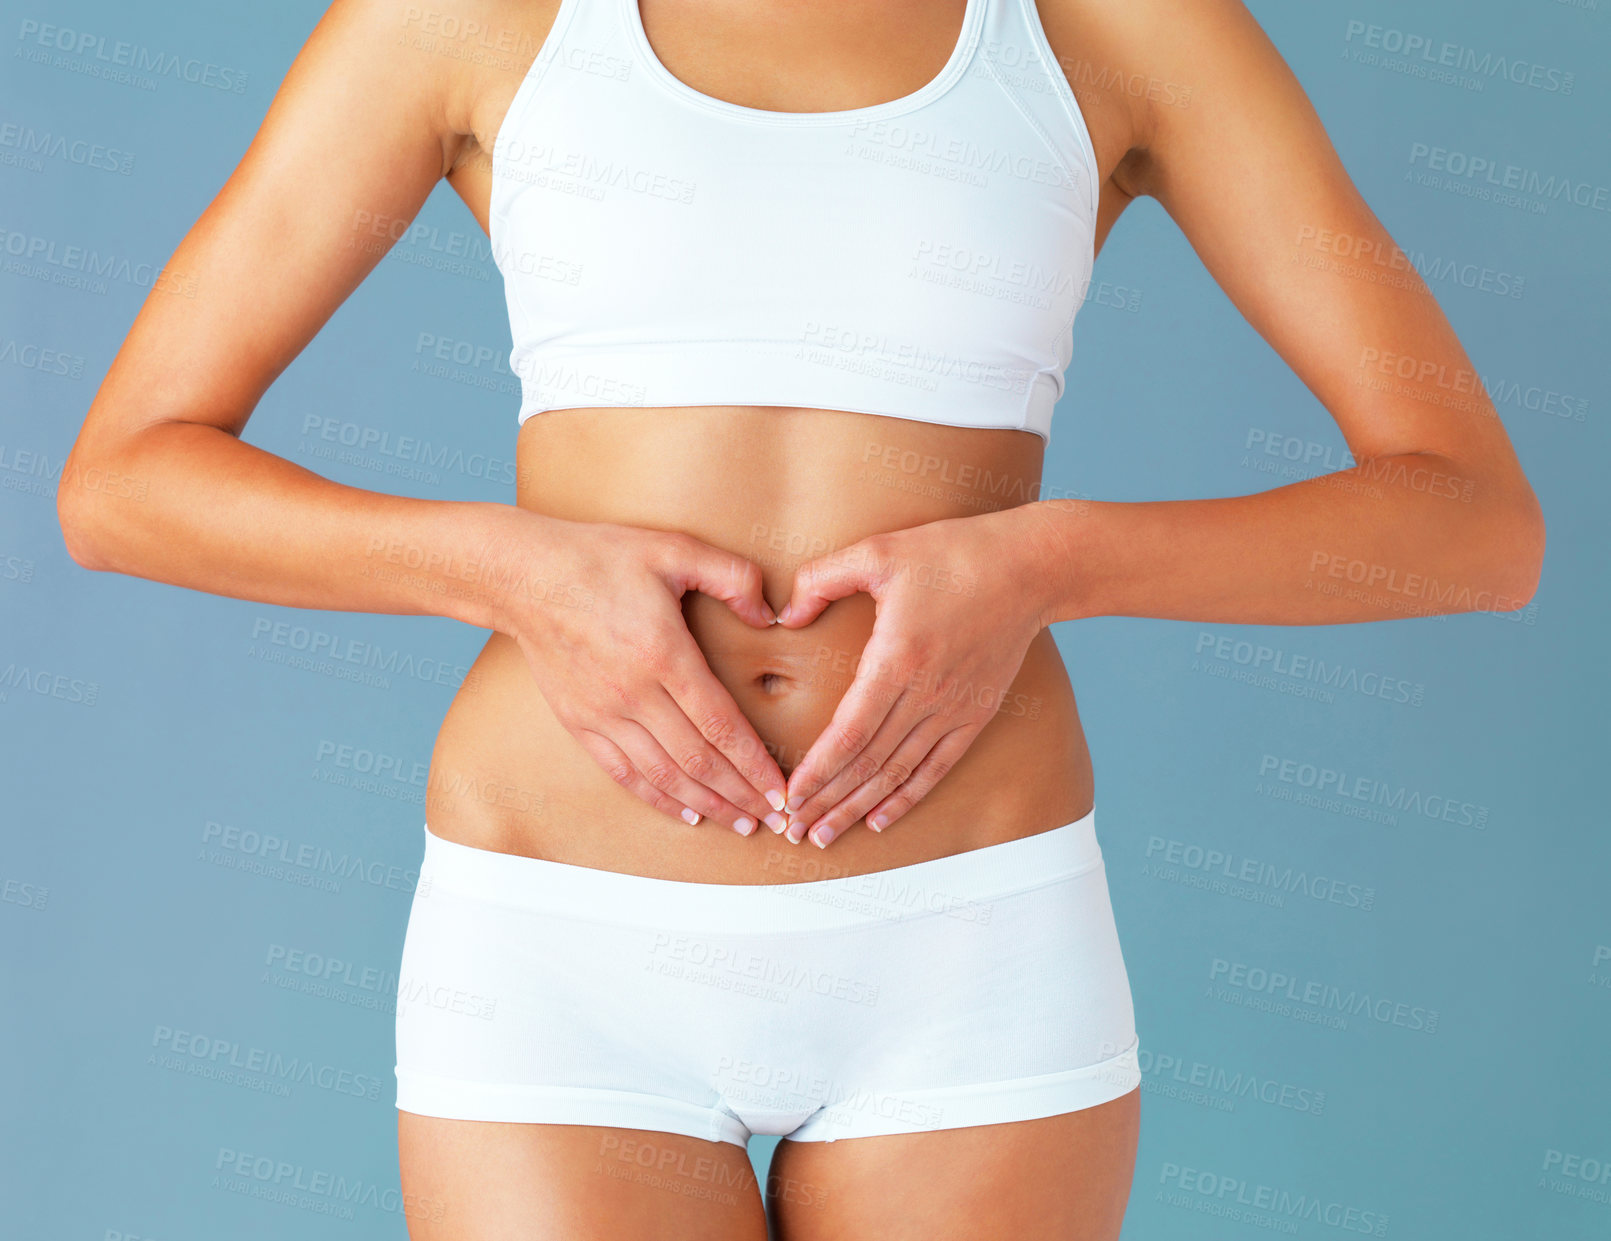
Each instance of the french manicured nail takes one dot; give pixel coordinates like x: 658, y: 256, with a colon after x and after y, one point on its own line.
x: 690, y: 817
x: 744, y: 825
x: 878, y: 822
x: 794, y: 804
x: 784, y: 615
x: 822, y: 837
x: 774, y: 798
x: 796, y: 832
x: 775, y: 821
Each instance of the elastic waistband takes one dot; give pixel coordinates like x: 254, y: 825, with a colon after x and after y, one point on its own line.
x: 959, y: 885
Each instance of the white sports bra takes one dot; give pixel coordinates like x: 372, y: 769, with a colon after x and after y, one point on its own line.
x: 922, y: 258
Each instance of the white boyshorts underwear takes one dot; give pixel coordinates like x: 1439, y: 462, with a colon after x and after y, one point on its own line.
x: 974, y: 989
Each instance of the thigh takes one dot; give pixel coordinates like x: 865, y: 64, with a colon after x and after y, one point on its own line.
x: 1065, y: 1177
x: 470, y: 1180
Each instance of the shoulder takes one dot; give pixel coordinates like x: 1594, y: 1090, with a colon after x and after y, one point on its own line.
x: 451, y: 60
x: 471, y: 55
x: 1140, y: 68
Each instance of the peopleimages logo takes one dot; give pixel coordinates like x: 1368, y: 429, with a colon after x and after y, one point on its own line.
x: 703, y: 960
x: 1501, y: 176
x: 976, y: 161
x: 1363, y: 791
x: 1446, y: 55
x: 1169, y: 1074
x: 1266, y: 1206
x: 97, y: 55
x: 1372, y: 683
x: 383, y: 442
x: 1167, y: 858
x: 32, y: 147
x: 314, y: 1189
x: 785, y: 1088
x: 1321, y: 996
x: 226, y: 1060
x: 1578, y: 1176
x: 320, y: 644
x: 315, y: 858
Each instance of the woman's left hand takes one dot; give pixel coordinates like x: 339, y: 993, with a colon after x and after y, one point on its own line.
x: 958, y: 602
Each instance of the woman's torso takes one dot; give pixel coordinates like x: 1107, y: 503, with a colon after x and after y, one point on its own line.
x: 778, y: 486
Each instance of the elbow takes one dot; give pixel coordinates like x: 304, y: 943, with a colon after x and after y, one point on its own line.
x: 1519, y: 553
x: 107, y: 503
x: 78, y: 512
x: 77, y: 532
x: 79, y: 540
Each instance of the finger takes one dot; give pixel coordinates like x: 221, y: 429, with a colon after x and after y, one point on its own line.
x: 907, y: 716
x: 872, y: 695
x: 665, y: 773
x: 929, y: 772
x: 896, y: 771
x: 624, y: 772
x: 696, y: 565
x: 692, y: 688
x: 859, y: 767
x: 692, y: 747
x: 837, y: 575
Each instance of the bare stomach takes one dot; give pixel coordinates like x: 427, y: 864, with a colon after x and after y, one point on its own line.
x: 779, y: 487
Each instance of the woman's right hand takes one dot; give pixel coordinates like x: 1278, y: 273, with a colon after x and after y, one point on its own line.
x: 596, y: 610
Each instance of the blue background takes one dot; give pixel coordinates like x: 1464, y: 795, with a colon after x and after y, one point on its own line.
x: 138, y: 719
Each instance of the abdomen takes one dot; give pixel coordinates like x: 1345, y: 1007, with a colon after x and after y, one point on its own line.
x: 779, y: 487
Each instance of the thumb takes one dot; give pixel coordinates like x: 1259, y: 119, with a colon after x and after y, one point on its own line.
x: 722, y: 575
x: 837, y: 575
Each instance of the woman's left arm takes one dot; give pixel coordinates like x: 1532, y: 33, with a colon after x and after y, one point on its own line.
x: 1436, y: 515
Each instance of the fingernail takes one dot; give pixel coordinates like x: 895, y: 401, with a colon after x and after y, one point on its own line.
x: 775, y: 798
x: 878, y: 822
x: 796, y: 833
x: 784, y: 615
x: 744, y: 825
x: 794, y: 804
x: 690, y: 817
x: 822, y: 837
x: 776, y: 821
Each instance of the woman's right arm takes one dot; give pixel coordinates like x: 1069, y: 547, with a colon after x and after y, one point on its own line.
x: 160, y: 485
